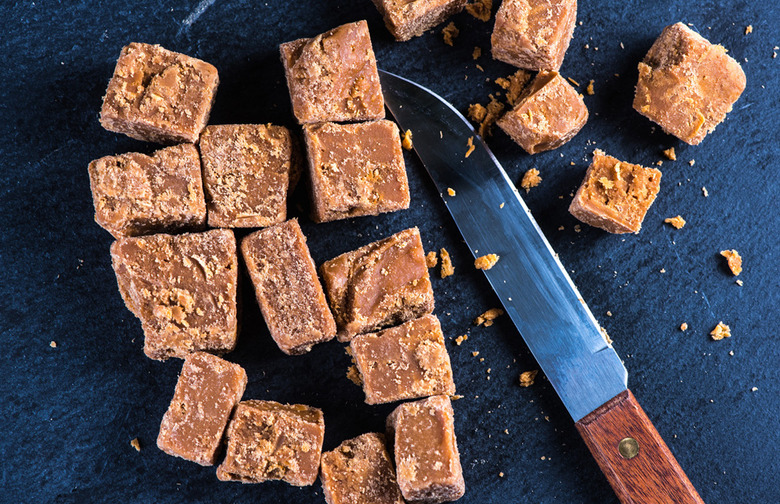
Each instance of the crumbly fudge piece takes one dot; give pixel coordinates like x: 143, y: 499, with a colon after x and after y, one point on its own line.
x: 159, y: 95
x: 381, y: 284
x: 246, y: 174
x: 183, y: 288
x: 411, y: 18
x: 404, y: 362
x: 426, y: 451
x: 136, y: 194
x: 206, y: 394
x: 686, y: 84
x: 360, y: 471
x: 356, y: 169
x: 615, y: 195
x: 333, y: 76
x: 287, y: 288
x: 267, y: 440
x: 533, y: 34
x: 548, y: 115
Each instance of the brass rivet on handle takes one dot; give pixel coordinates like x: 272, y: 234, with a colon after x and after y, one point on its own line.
x: 628, y: 448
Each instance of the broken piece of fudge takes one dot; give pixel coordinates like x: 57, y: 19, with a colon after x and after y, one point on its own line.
x: 381, y: 284
x: 359, y: 470
x: 686, y: 84
x: 182, y: 288
x: 137, y: 194
x: 355, y: 169
x: 333, y: 76
x: 287, y: 288
x: 407, y: 19
x: 548, y: 115
x: 206, y: 394
x: 427, y: 461
x: 267, y: 440
x: 533, y: 34
x: 157, y: 95
x: 615, y: 195
x: 404, y: 362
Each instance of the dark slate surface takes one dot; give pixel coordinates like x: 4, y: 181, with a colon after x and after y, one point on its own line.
x: 68, y: 413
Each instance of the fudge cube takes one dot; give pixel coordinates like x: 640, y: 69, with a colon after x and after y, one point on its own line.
x: 548, y: 115
x: 686, y: 84
x: 157, y: 95
x: 333, y: 76
x: 182, y: 288
x: 206, y: 394
x: 267, y: 440
x: 615, y: 195
x: 355, y: 169
x: 360, y: 471
x: 382, y: 284
x: 533, y: 34
x: 407, y: 19
x: 246, y: 174
x: 287, y: 288
x: 136, y: 194
x: 426, y: 451
x: 404, y: 362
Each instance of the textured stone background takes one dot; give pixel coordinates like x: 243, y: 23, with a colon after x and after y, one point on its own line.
x: 69, y: 413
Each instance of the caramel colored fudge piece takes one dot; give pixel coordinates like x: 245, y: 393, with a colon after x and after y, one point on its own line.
x: 426, y: 451
x: 686, y: 84
x: 206, y: 394
x: 355, y: 169
x: 359, y: 471
x: 287, y: 288
x: 136, y: 194
x: 533, y: 34
x: 382, y: 284
x: 159, y: 95
x: 548, y: 115
x: 615, y: 195
x: 406, y: 19
x: 333, y: 76
x: 182, y: 288
x: 246, y: 173
x: 404, y: 362
x: 267, y: 440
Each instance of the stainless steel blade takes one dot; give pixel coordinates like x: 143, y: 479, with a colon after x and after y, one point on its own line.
x: 530, y: 281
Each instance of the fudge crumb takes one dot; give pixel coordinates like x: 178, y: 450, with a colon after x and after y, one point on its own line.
x: 748, y: 29
x: 480, y: 9
x: 739, y: 282
x: 460, y: 339
x: 474, y: 354
x: 488, y: 317
x: 406, y: 140
x: 734, y: 260
x: 477, y: 112
x: 451, y: 191
x: 670, y: 154
x: 606, y: 183
x: 573, y: 81
x: 501, y: 475
x: 531, y: 179
x: 450, y: 32
x: 527, y: 377
x: 517, y: 82
x: 577, y: 228
x: 486, y: 262
x: 485, y: 117
x: 479, y: 67
x: 662, y: 270
x: 135, y: 443
x: 456, y: 397
x: 504, y: 83
x: 684, y: 326
x: 721, y: 331
x: 53, y: 344
x: 659, y: 162
x: 692, y: 162
x: 731, y: 353
x: 609, y: 313
x: 431, y: 259
x: 754, y: 389
x: 447, y: 268
x: 676, y: 222
x: 590, y: 89
x: 501, y: 205
x: 471, y: 146
x: 704, y: 191
x: 354, y: 376
x: 477, y: 52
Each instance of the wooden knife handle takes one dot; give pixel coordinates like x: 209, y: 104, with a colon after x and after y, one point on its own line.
x: 632, y: 455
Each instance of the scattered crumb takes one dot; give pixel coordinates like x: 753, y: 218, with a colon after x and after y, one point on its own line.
x: 456, y: 397
x: 609, y: 313
x: 561, y: 228
x: 531, y: 179
x: 431, y: 259
x: 606, y: 183
x: 479, y: 67
x: 480, y: 9
x: 474, y: 353
x: 543, y: 457
x: 748, y: 29
x: 739, y: 282
x: 517, y: 82
x: 447, y: 268
x: 704, y: 191
x: 731, y: 353
x: 501, y: 205
x: 406, y: 140
x: 461, y: 339
x: 605, y: 335
x: 485, y: 117
x: 486, y: 262
x: 721, y: 331
x: 477, y: 112
x: 659, y: 162
x: 135, y: 443
x: 504, y: 83
x: 676, y: 222
x: 684, y: 326
x: 501, y: 475
x: 754, y: 389
x: 573, y: 81
x: 53, y: 344
x: 451, y: 191
x: 590, y: 89
x: 449, y: 33
x: 354, y: 376
x: 692, y: 162
x: 662, y: 270
x: 506, y: 431
x: 471, y: 148
x: 477, y: 52
x: 488, y: 317
x: 670, y: 154
x: 527, y: 377
x: 734, y: 260
x: 577, y: 228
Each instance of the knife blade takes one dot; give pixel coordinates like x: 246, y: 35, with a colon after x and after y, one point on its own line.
x: 539, y: 297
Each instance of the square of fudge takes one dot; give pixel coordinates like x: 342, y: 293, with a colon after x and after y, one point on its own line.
x: 381, y: 284
x: 208, y: 390
x: 333, y: 76
x: 360, y: 471
x: 407, y: 19
x: 157, y: 95
x: 404, y: 362
x: 136, y: 194
x: 267, y: 440
x: 246, y: 173
x: 427, y: 461
x: 686, y: 84
x: 615, y: 195
x: 549, y: 113
x: 355, y: 169
x: 182, y: 288
x: 287, y: 287
x: 533, y: 34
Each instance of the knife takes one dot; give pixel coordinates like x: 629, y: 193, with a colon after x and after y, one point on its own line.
x: 540, y: 298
